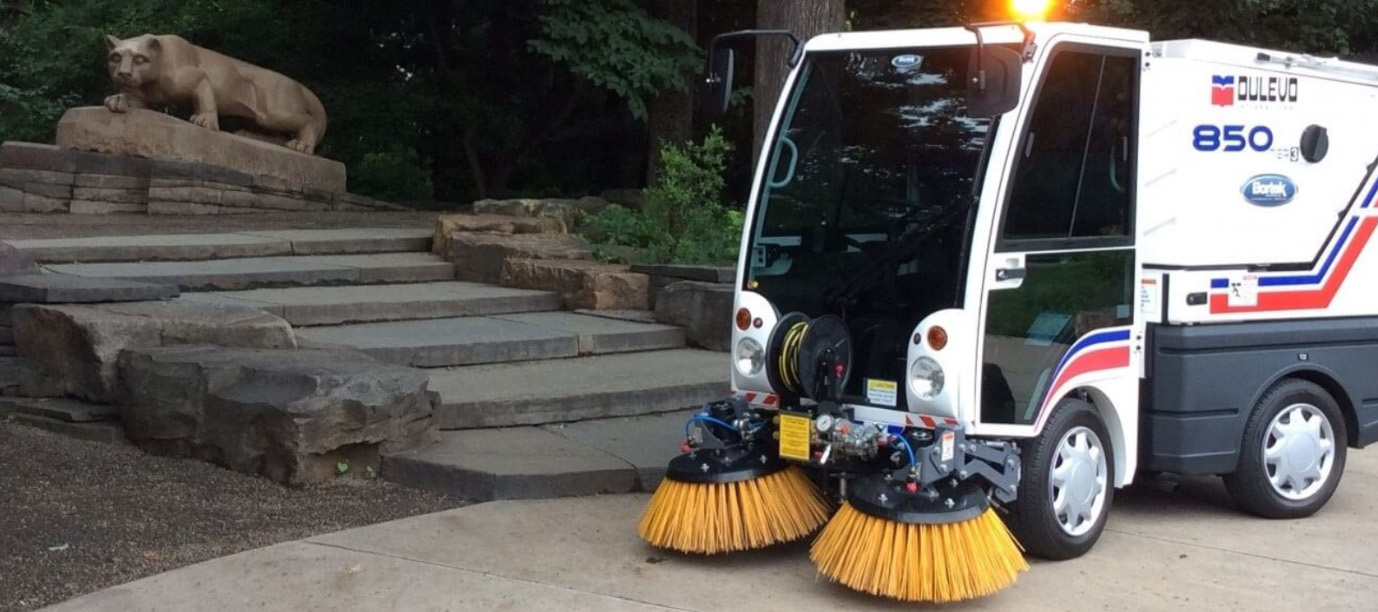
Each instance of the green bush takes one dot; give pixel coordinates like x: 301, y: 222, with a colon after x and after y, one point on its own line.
x: 396, y: 175
x: 684, y: 219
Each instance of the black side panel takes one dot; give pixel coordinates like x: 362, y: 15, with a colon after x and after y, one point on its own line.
x: 1203, y: 381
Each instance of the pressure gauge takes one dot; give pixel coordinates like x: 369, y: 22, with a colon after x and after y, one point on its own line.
x: 824, y: 423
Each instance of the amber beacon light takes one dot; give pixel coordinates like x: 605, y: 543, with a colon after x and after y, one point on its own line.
x: 1030, y: 10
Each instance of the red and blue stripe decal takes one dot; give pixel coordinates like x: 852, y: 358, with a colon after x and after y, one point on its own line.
x: 1308, y: 291
x: 1098, y: 351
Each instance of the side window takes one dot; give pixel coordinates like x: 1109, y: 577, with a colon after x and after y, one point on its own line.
x: 1073, y: 176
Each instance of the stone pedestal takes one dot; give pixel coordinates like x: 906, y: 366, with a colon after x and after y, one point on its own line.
x: 149, y: 162
x: 153, y: 135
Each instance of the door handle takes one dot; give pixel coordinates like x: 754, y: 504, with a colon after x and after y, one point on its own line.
x: 1005, y: 274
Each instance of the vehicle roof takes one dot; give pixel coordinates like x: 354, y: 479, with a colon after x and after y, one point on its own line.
x: 940, y: 37
x: 1256, y: 57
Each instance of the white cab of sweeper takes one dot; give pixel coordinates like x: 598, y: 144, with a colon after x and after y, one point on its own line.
x: 1137, y: 256
x: 1133, y: 183
x: 1002, y: 335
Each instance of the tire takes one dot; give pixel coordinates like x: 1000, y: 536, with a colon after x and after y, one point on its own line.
x: 1033, y: 518
x: 1251, y: 485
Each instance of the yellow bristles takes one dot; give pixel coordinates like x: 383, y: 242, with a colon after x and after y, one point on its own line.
x: 717, y: 518
x: 933, y: 563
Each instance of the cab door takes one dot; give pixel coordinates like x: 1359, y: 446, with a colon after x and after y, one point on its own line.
x: 1061, y: 272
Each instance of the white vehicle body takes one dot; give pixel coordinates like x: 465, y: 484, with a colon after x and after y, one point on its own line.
x: 1234, y: 237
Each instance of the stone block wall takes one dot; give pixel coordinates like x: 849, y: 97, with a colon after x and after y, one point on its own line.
x: 39, y: 178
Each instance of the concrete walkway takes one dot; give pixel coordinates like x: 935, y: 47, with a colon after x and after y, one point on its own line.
x: 1187, y: 550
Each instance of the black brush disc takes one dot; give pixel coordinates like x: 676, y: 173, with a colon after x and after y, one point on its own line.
x: 940, y: 506
x: 732, y: 464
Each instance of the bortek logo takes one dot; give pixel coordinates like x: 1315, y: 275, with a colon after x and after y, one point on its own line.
x: 1269, y: 190
x: 1226, y: 90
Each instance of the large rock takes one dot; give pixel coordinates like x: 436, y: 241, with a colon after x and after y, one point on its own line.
x: 149, y: 134
x: 295, y: 416
x: 627, y: 198
x: 704, y: 310
x: 80, y: 344
x: 486, y: 224
x: 566, y: 213
x: 480, y: 257
x: 582, y: 284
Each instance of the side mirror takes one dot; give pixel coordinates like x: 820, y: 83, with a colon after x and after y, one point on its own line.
x: 718, y: 85
x: 994, y: 81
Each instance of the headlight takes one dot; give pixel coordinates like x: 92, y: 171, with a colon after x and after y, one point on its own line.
x: 751, y: 358
x: 926, y: 378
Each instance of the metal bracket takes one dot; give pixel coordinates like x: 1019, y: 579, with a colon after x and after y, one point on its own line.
x: 1029, y: 45
x: 952, y: 455
x: 795, y: 56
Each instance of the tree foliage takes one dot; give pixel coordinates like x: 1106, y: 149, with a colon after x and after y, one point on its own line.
x: 1314, y: 26
x: 457, y: 99
x: 477, y: 94
x: 618, y: 46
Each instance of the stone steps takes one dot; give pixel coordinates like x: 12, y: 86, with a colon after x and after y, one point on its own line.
x: 199, y: 247
x: 620, y: 455
x: 565, y: 390
x: 535, y: 401
x: 257, y: 272
x: 495, y: 339
x: 304, y: 306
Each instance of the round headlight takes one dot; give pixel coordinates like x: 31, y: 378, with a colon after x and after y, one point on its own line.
x: 751, y: 358
x: 926, y: 378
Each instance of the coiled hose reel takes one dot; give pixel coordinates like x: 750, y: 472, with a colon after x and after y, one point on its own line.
x: 809, y: 358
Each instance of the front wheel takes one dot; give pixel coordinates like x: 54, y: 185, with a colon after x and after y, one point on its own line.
x: 1293, y: 452
x: 1067, y: 485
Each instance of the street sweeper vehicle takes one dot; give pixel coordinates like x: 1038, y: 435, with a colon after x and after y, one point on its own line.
x: 991, y: 273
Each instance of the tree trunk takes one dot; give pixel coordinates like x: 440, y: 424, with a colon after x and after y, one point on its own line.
x: 806, y: 19
x: 672, y: 112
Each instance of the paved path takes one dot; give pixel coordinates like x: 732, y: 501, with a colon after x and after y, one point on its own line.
x: 1186, y: 550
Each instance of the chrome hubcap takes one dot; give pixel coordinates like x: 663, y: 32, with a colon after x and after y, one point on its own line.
x: 1079, y: 481
x: 1299, y: 451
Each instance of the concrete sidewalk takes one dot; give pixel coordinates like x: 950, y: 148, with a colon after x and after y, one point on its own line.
x: 1186, y: 550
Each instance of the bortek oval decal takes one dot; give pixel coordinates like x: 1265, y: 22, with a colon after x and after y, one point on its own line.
x: 1269, y: 190
x: 905, y: 62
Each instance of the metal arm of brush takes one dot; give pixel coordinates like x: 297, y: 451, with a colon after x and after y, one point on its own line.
x: 998, y: 465
x: 732, y: 411
x: 952, y: 455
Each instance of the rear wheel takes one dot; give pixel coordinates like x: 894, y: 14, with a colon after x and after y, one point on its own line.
x: 1293, y: 452
x: 1067, y: 485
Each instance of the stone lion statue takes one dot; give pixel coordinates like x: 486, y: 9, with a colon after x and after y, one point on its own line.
x: 162, y: 70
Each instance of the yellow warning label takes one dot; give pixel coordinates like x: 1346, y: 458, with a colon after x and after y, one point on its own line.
x: 794, y: 437
x: 882, y: 392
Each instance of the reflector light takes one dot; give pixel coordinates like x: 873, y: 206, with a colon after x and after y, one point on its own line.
x: 937, y: 338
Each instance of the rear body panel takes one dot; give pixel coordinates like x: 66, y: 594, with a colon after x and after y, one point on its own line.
x: 1205, y: 379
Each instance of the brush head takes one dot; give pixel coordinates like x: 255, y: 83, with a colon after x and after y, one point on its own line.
x: 719, y: 517
x: 939, y: 563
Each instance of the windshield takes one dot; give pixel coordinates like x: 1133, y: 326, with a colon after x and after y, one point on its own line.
x: 876, y: 146
x: 864, y: 209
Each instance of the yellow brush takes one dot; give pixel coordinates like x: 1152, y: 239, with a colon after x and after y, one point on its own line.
x: 927, y: 562
x: 691, y: 514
